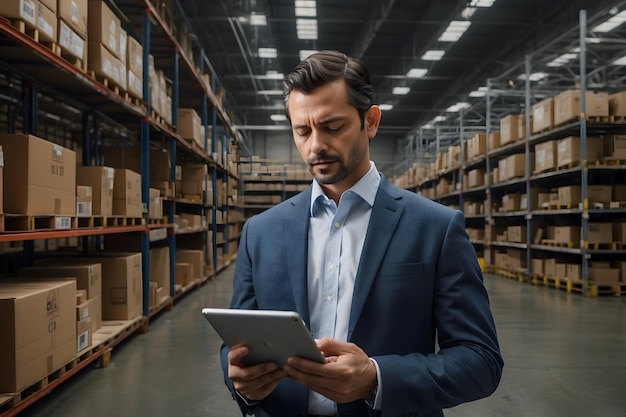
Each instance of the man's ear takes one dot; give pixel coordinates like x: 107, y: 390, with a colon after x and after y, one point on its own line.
x: 372, y: 121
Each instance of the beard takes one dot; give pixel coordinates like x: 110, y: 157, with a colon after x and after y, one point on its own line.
x: 334, y: 175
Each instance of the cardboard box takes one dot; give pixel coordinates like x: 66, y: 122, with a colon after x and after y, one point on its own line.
x: 190, y: 126
x: 83, y: 334
x: 617, y: 104
x: 517, y: 234
x: 155, y: 210
x: 37, y: 329
x: 50, y: 4
x: 516, y: 259
x: 509, y: 131
x: 615, y: 146
x: 599, y: 194
x: 549, y: 267
x: 545, y: 156
x: 47, y: 24
x: 194, y: 257
x: 184, y: 273
x: 511, y: 202
x: 569, y: 196
x: 134, y: 84
x: 476, y: 178
x: 127, y: 193
x: 567, y: 105
x: 194, y: 221
x: 74, y: 14
x: 193, y: 179
x: 84, y: 200
x: 494, y: 140
x: 88, y: 277
x: 24, y: 10
x: 601, y: 274
x: 101, y: 181
x: 521, y: 126
x: 537, y: 266
x: 103, y: 27
x: 543, y: 115
x: 574, y: 271
x: 560, y: 270
x: 619, y: 232
x: 122, y: 292
x: 106, y: 65
x: 72, y: 43
x: 619, y: 192
x: 599, y: 233
x: 567, y: 234
x: 568, y: 151
x: 42, y: 176
x: 134, y: 56
x: 515, y: 166
x: 160, y: 267
x: 621, y: 265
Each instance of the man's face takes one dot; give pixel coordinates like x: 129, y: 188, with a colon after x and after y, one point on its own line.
x: 327, y: 132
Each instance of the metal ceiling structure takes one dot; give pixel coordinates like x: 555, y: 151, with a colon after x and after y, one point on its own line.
x: 391, y: 37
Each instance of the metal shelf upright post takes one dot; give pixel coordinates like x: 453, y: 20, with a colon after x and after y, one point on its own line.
x: 583, y: 145
x: 214, y: 171
x: 145, y: 162
x: 171, y: 205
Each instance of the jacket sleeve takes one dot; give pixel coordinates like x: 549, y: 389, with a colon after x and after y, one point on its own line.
x: 468, y: 365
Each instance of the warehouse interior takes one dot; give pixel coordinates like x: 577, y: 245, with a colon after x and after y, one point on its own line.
x: 138, y: 136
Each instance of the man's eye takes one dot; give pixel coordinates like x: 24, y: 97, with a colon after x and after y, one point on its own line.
x: 335, y: 128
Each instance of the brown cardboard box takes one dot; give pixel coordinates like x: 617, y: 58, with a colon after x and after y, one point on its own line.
x: 619, y: 232
x: 104, y: 27
x: 37, y: 329
x: 511, y: 202
x: 190, y: 126
x: 543, y: 200
x: 567, y: 234
x: 549, y: 267
x: 101, y: 181
x: 476, y: 178
x: 184, y: 274
x: 569, y: 150
x: 106, y: 65
x: 127, y: 193
x: 567, y: 105
x: 516, y: 166
x: 160, y: 267
x: 621, y: 265
x: 569, y: 196
x: 194, y: 221
x: 619, y: 192
x: 24, y: 10
x: 601, y: 274
x: 599, y: 194
x: 84, y: 334
x: 509, y: 131
x: 88, y: 277
x: 74, y: 14
x: 194, y: 257
x: 537, y: 266
x: 574, y: 271
x: 615, y: 146
x: 599, y: 233
x: 43, y: 176
x: 543, y: 115
x: 443, y: 187
x: 122, y: 292
x: 560, y: 270
x: 72, y: 43
x: 84, y: 200
x: 617, y: 104
x: 152, y: 294
x: 47, y: 24
x: 193, y: 179
x: 516, y: 259
x: 517, y: 234
x: 479, y: 145
x: 494, y: 140
x: 545, y: 156
x: 156, y: 204
x: 134, y: 56
x: 134, y: 84
x: 50, y: 4
x: 521, y: 126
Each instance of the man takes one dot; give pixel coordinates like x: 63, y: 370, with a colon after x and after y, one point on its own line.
x: 382, y: 275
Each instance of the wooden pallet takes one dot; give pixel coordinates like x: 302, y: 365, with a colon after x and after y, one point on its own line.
x: 550, y: 242
x: 595, y: 289
x: 161, y: 221
x: 605, y: 246
x: 20, y: 222
x: 78, y: 63
x: 107, y: 82
x: 109, y: 221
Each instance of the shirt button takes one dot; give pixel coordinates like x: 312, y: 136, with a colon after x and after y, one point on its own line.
x: 331, y: 266
x: 329, y: 298
x: 337, y: 225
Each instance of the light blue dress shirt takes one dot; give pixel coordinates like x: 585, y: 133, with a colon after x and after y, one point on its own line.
x: 336, y: 236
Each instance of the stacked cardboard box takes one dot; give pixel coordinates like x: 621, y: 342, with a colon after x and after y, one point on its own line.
x: 567, y: 105
x: 101, y: 181
x: 127, y: 193
x: 72, y: 32
x: 104, y: 44
x: 509, y: 131
x: 134, y: 64
x: 543, y: 115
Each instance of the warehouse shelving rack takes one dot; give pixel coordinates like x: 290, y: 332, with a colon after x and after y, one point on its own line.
x: 45, y: 74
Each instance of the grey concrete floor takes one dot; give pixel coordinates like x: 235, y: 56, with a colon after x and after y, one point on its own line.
x: 565, y: 356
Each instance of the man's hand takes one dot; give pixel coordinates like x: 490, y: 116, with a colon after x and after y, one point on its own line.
x: 348, y: 374
x: 253, y: 382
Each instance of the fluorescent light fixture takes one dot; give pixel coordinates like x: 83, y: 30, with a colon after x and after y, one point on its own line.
x: 611, y: 23
x: 305, y: 53
x: 481, y: 3
x: 278, y: 117
x: 535, y: 76
x: 481, y: 92
x: 306, y: 12
x: 468, y: 12
x: 306, y: 3
x: 270, y: 92
x: 620, y: 61
x: 433, y: 55
x: 385, y: 107
x: 440, y: 119
x: 258, y: 20
x: 400, y: 91
x: 416, y: 72
x: 458, y: 106
x: 454, y: 31
x: 561, y: 60
x: 428, y: 126
x: 593, y: 40
x: 274, y: 75
x: 306, y: 28
x: 268, y: 53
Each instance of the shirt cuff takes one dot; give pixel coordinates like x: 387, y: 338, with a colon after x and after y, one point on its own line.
x: 248, y: 402
x: 378, y: 392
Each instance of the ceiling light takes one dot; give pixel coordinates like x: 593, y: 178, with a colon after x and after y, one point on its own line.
x: 258, y: 20
x: 278, y: 117
x: 458, y: 106
x: 306, y: 12
x: 561, y: 60
x: 401, y: 91
x: 274, y: 75
x: 480, y: 92
x: 535, y: 76
x: 619, y: 61
x: 611, y: 23
x: 306, y: 28
x: 270, y: 92
x: 468, y: 12
x: 428, y: 126
x: 306, y: 3
x: 268, y: 53
x: 482, y: 3
x: 416, y: 72
x: 440, y: 119
x: 305, y: 53
x: 385, y: 107
x: 454, y: 31
x: 433, y: 55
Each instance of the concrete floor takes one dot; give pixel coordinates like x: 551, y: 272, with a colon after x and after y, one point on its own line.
x: 565, y: 355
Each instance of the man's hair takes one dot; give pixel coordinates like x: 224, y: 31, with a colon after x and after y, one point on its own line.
x: 324, y: 67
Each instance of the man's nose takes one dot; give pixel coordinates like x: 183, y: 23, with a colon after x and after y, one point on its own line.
x: 318, y: 142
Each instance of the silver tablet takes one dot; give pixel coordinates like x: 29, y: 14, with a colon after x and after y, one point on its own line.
x: 271, y: 336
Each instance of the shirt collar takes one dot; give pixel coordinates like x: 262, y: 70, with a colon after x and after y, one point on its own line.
x: 366, y: 188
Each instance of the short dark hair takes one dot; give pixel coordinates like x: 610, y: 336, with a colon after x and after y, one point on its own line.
x: 327, y: 66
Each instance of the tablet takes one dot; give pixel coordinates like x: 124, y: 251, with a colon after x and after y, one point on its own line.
x: 271, y: 336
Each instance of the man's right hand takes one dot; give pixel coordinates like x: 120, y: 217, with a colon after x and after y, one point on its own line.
x: 253, y: 382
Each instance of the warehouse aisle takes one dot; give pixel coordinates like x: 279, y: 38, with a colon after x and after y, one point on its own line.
x: 565, y: 356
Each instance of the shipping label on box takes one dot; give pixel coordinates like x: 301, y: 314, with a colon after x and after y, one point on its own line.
x: 47, y: 24
x: 83, y: 334
x: 24, y: 10
x: 71, y: 42
x: 74, y: 14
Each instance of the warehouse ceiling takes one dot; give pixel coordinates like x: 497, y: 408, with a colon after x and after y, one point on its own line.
x: 391, y: 37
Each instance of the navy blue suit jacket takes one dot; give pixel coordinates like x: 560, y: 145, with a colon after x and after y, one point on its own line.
x: 418, y: 284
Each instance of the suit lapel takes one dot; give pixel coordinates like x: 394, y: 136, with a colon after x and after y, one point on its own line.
x: 386, y: 213
x: 296, y: 240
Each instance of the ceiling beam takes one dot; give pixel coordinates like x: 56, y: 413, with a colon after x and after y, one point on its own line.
x: 371, y: 27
